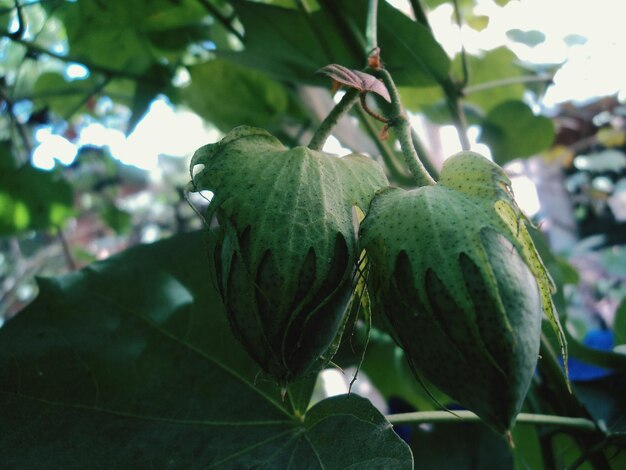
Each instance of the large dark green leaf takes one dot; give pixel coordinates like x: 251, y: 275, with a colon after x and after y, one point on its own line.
x: 512, y: 130
x: 292, y: 44
x: 32, y: 199
x: 129, y: 363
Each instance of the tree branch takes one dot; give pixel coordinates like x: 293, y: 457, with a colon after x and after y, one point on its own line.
x: 219, y: 16
x: 580, y: 424
x: 36, y: 48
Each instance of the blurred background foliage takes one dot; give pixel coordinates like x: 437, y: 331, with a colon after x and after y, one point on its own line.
x: 103, y: 102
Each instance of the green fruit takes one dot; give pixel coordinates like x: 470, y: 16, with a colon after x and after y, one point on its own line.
x: 284, y: 249
x: 461, y: 284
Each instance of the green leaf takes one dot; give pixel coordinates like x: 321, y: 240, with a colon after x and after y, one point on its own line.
x: 129, y: 363
x: 511, y: 130
x: 63, y: 97
x: 32, y: 199
x: 610, y: 360
x: 386, y: 366
x: 7, y: 160
x: 478, y: 22
x: 531, y: 38
x: 292, y: 45
x: 492, y: 66
x: 229, y: 95
x: 122, y: 35
x: 117, y: 219
x: 107, y: 34
x: 527, y: 452
x: 619, y: 325
x: 156, y: 80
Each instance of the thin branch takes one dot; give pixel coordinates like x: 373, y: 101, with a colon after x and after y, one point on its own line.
x: 547, y: 79
x: 69, y: 259
x: 464, y: 66
x: 21, y: 24
x: 420, y: 13
x: 460, y: 121
x: 580, y: 424
x: 17, y: 125
x: 219, y: 16
x: 36, y: 48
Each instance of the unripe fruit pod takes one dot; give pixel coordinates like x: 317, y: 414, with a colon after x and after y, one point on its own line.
x: 283, y: 252
x: 451, y: 267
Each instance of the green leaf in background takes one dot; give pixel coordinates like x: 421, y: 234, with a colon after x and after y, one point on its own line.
x: 117, y: 219
x: 511, y: 130
x: 492, y: 66
x: 619, y: 325
x: 32, y: 199
x: 386, y: 367
x: 478, y: 22
x: 156, y: 80
x: 566, y: 452
x: 107, y: 34
x: 127, y: 36
x: 527, y: 452
x: 61, y: 96
x: 530, y: 38
x: 229, y: 95
x: 130, y: 363
x: 6, y: 14
x: 7, y: 160
x: 292, y: 45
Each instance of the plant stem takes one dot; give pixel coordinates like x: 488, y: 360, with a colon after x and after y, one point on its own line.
x: 402, y: 128
x: 426, y: 159
x: 389, y: 158
x: 580, y: 424
x: 419, y: 13
x: 459, y: 120
x: 67, y: 252
x: 371, y: 31
x: 326, y: 127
